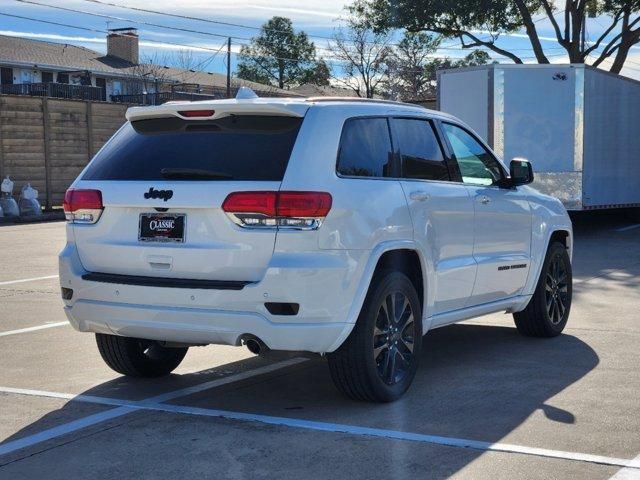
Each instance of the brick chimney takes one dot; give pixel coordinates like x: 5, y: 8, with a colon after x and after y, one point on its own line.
x: 123, y: 43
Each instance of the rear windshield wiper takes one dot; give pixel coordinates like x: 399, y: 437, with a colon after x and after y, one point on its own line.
x: 193, y: 174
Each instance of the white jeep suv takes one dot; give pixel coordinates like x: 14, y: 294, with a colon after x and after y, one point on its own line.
x: 342, y: 227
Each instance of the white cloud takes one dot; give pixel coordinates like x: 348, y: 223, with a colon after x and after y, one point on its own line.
x: 52, y: 36
x: 320, y: 12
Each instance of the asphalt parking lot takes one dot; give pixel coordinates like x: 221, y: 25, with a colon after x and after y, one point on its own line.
x: 486, y: 403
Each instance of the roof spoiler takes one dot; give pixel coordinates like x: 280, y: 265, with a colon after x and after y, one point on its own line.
x: 220, y: 108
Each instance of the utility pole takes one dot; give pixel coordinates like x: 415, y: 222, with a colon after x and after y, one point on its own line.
x: 229, y: 67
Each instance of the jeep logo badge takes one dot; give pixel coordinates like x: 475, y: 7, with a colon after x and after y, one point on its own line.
x: 163, y: 194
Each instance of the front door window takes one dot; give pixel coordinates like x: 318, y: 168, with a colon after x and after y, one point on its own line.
x: 477, y: 165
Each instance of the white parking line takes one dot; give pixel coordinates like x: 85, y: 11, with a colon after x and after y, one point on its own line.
x: 628, y: 473
x: 32, y: 329
x: 60, y: 430
x: 124, y: 406
x: 25, y: 280
x: 630, y: 227
x: 127, y: 406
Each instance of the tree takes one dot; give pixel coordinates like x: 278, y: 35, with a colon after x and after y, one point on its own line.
x: 151, y: 73
x: 413, y: 66
x: 281, y: 57
x: 363, y: 53
x: 463, y: 20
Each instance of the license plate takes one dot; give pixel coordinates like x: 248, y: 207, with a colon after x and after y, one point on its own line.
x: 162, y: 227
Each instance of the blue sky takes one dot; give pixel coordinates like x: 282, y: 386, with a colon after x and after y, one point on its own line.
x: 318, y: 18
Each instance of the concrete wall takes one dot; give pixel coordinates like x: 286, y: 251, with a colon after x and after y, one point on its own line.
x: 47, y: 142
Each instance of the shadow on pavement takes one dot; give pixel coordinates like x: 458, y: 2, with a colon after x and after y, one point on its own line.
x: 475, y: 382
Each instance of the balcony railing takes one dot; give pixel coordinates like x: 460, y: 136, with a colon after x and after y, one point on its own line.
x: 55, y: 90
x: 161, y: 97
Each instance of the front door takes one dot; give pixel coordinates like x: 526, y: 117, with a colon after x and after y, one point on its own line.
x: 442, y: 214
x: 102, y: 84
x: 502, y: 239
x: 6, y: 76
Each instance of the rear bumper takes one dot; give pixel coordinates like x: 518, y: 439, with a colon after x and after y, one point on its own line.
x: 324, y: 284
x: 199, y: 326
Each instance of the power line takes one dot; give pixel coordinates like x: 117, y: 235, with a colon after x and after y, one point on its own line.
x: 190, y: 47
x: 332, y: 60
x: 238, y: 25
x: 95, y: 30
x: 217, y: 22
x: 121, y: 19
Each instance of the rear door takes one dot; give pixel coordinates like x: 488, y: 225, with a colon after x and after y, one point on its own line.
x: 502, y: 240
x: 163, y: 182
x: 441, y: 211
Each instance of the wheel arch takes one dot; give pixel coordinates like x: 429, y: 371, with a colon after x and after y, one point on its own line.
x: 401, y: 253
x: 540, y: 245
x: 563, y: 236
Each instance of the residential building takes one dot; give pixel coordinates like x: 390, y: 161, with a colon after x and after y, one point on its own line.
x: 39, y: 68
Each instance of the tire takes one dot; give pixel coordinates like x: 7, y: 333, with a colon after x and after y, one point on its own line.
x: 135, y: 357
x: 633, y: 214
x: 548, y: 310
x: 355, y: 369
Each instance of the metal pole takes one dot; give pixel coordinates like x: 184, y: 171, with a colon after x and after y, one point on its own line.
x: 229, y: 67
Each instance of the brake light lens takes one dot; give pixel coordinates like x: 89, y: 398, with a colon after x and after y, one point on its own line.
x: 83, y: 205
x: 197, y: 113
x: 284, y: 209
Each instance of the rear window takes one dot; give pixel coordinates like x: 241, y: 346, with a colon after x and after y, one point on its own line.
x: 237, y: 147
x: 365, y: 148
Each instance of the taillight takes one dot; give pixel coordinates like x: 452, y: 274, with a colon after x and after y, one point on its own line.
x: 287, y: 209
x: 83, y: 206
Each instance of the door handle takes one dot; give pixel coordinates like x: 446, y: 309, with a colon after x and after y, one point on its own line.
x: 419, y: 196
x: 484, y: 200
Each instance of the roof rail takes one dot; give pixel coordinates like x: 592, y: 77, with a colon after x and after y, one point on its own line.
x: 360, y: 100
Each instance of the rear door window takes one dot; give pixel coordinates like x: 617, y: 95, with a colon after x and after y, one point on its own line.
x: 365, y: 148
x: 420, y: 154
x: 236, y: 147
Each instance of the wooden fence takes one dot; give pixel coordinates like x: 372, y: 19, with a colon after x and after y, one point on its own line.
x: 47, y: 141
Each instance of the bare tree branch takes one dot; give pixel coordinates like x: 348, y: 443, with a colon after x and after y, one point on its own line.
x: 604, y: 35
x: 532, y: 33
x: 477, y: 42
x: 548, y: 8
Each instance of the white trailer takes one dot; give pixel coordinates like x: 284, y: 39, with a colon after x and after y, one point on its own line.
x: 576, y: 124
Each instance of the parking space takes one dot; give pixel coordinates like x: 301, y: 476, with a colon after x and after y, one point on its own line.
x: 486, y: 403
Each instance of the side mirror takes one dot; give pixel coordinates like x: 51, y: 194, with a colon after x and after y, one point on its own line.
x: 521, y: 172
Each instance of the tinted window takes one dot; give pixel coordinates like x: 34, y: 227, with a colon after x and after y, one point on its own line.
x: 477, y: 165
x: 420, y: 153
x: 236, y: 147
x: 365, y: 148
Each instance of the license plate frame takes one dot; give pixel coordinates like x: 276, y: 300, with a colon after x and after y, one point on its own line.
x: 165, y: 232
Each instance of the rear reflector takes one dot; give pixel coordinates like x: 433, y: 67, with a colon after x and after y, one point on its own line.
x: 83, y: 206
x: 197, y: 113
x: 297, y: 210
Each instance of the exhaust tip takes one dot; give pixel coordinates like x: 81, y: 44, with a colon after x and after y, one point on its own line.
x: 67, y: 293
x: 255, y: 345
